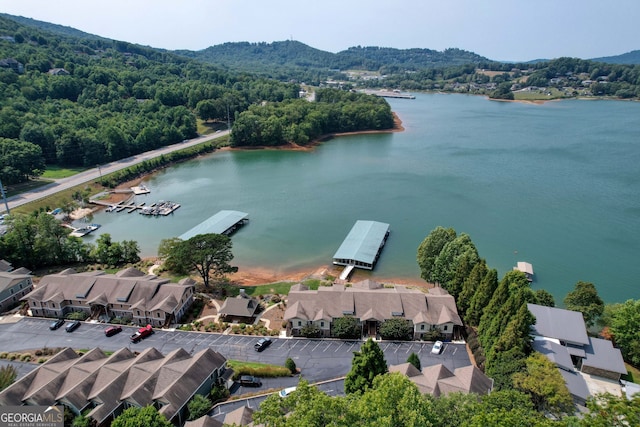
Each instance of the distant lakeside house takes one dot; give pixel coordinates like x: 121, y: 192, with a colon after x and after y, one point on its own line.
x: 371, y: 304
x: 14, y: 284
x: 129, y: 294
x: 103, y: 386
x: 588, y: 365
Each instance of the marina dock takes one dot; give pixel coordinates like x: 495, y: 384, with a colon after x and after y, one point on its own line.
x: 224, y: 222
x: 160, y: 208
x: 362, y: 246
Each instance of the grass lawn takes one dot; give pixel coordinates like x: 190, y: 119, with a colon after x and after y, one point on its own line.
x: 56, y: 200
x: 539, y: 96
x: 257, y: 369
x: 57, y: 172
x: 280, y: 288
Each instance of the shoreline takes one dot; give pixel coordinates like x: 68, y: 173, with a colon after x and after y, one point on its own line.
x: 114, y: 198
x: 255, y: 276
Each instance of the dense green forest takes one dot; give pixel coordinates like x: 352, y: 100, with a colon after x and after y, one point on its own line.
x: 300, y: 121
x: 76, y: 101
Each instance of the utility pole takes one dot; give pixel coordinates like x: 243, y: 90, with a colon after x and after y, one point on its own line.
x: 4, y: 197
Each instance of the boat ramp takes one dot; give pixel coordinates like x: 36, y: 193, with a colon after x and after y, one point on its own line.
x: 224, y: 222
x: 362, y: 246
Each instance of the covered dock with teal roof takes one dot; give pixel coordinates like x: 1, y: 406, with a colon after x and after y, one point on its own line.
x: 224, y: 222
x: 362, y: 246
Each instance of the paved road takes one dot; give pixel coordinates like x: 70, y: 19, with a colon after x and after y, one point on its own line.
x: 318, y: 360
x: 95, y: 173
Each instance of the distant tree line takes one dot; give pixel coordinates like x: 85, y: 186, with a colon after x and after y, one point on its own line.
x: 300, y: 121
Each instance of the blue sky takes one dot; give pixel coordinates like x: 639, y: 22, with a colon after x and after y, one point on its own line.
x: 515, y: 30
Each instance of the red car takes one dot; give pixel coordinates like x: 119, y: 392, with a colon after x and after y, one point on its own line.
x: 112, y: 330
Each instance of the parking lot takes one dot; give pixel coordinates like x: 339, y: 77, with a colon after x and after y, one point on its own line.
x: 318, y: 360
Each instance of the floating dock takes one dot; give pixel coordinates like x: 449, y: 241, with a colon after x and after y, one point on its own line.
x: 526, y: 268
x: 160, y: 208
x: 224, y: 222
x: 363, y: 245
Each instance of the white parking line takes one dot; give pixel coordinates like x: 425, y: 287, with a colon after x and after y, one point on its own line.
x: 341, y: 344
x: 314, y: 348
x: 295, y: 343
x: 306, y: 344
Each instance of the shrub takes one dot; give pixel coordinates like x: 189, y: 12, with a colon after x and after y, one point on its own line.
x: 290, y: 365
x: 198, y: 406
x: 42, y: 360
x: 218, y: 393
x: 396, y: 329
x: 310, y: 331
x: 26, y: 357
x: 78, y: 315
x: 4, y: 355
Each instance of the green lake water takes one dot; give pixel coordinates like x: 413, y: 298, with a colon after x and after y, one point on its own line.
x: 556, y: 185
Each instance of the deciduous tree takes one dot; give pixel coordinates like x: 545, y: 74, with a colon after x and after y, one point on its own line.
x: 208, y: 254
x: 585, y: 299
x: 346, y: 327
x: 136, y: 417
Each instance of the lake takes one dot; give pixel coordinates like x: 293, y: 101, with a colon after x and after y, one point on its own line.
x: 554, y: 184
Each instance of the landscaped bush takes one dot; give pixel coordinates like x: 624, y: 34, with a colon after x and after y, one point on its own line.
x: 310, y: 331
x: 78, y: 315
x: 268, y: 371
x: 434, y: 335
x: 290, y: 365
x: 396, y: 329
x: 219, y: 393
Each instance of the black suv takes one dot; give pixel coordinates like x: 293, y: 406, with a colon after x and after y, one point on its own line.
x: 249, y: 381
x: 56, y: 324
x: 262, y: 344
x: 72, y: 326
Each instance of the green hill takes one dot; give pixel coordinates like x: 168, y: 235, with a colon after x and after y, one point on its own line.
x: 630, y: 58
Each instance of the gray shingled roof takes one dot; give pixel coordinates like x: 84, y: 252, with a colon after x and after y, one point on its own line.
x: 576, y: 384
x: 438, y: 380
x: 131, y: 286
x: 555, y: 352
x: 558, y: 323
x: 239, y: 306
x: 601, y: 354
x: 108, y: 381
x: 217, y: 224
x: 363, y: 241
x: 370, y: 301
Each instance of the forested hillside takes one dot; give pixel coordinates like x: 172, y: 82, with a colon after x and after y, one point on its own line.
x: 81, y: 101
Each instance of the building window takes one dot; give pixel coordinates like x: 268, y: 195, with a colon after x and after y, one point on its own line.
x: 322, y: 324
x: 11, y: 290
x: 445, y: 327
x: 422, y: 327
x: 299, y: 323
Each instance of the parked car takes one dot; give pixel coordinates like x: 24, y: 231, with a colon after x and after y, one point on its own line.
x: 437, y: 347
x: 262, y: 344
x: 141, y: 333
x: 286, y: 391
x: 72, y: 326
x: 249, y: 381
x: 56, y: 324
x: 112, y: 330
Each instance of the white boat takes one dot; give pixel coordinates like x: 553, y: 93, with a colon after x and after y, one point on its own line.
x: 83, y: 231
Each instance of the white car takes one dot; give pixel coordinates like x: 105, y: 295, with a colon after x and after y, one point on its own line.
x: 286, y: 391
x: 437, y: 347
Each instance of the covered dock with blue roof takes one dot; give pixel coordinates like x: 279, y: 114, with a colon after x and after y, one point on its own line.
x: 362, y: 246
x: 224, y: 222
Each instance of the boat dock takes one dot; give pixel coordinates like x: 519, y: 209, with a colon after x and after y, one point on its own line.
x: 224, y: 222
x: 160, y: 208
x: 526, y: 268
x: 362, y: 246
